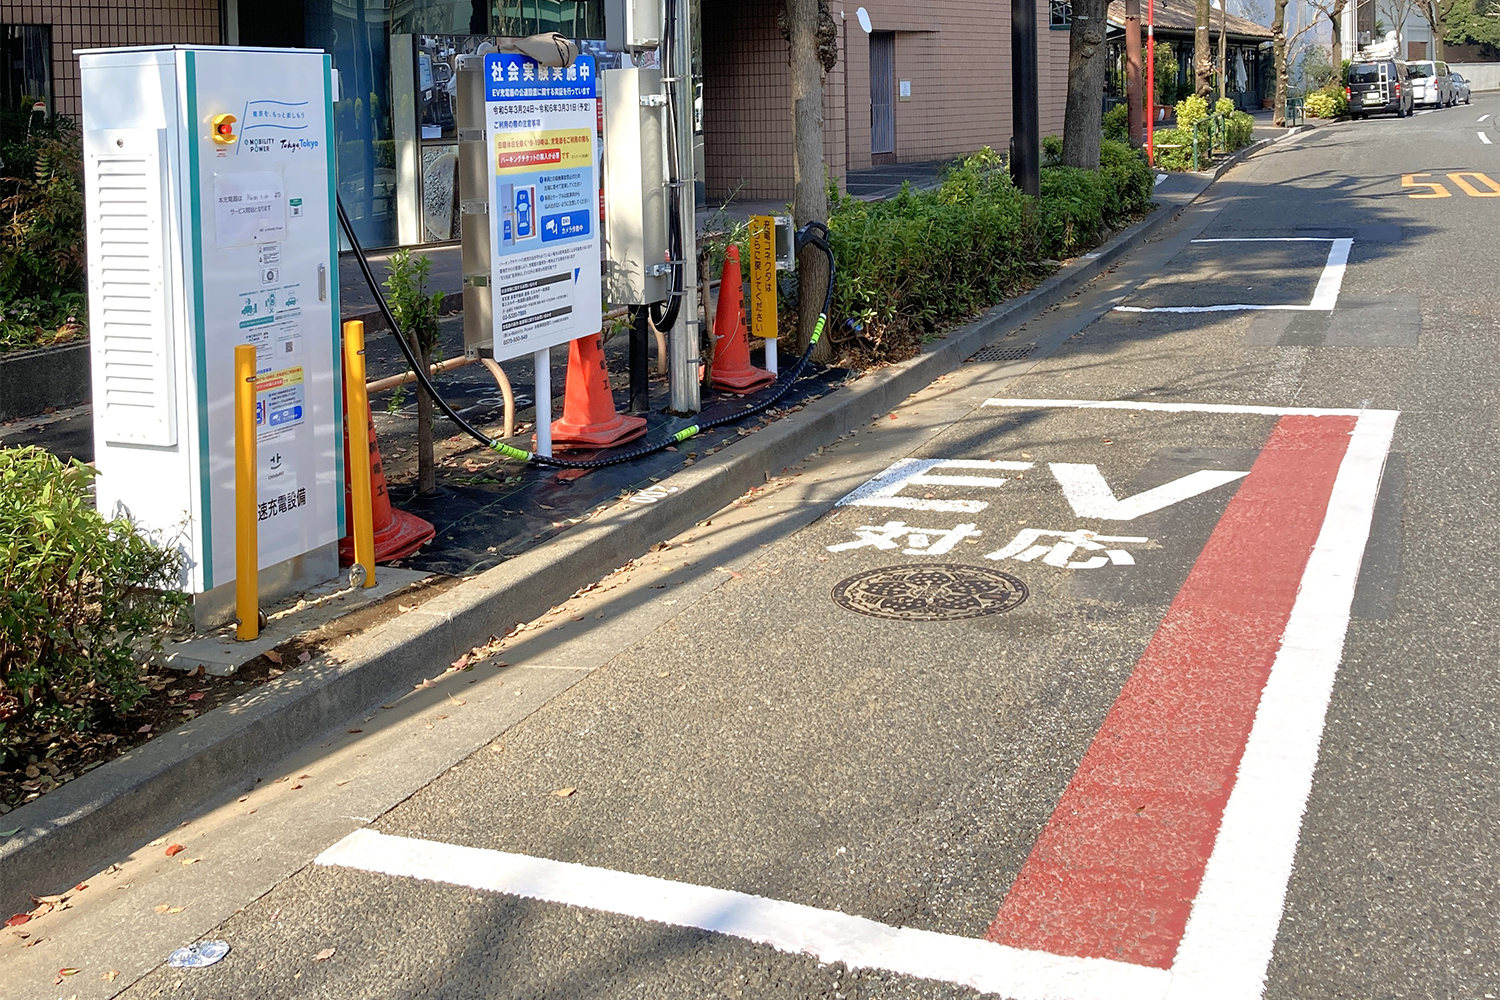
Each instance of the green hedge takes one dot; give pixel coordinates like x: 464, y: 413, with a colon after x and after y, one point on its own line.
x: 1329, y: 102
x: 81, y: 596
x: 926, y: 259
x: 1173, y: 147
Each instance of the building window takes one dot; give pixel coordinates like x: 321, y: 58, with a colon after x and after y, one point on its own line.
x: 573, y: 18
x: 1061, y: 14
x: 25, y: 65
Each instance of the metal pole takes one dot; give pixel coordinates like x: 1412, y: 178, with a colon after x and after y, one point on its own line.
x: 684, y: 340
x: 1026, y: 140
x: 1150, y: 80
x: 246, y: 508
x: 541, y: 366
x: 357, y: 426
x: 640, y: 339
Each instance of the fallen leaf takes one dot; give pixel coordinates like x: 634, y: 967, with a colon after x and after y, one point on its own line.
x: 324, y: 955
x: 111, y: 975
x: 67, y: 972
x: 356, y: 730
x: 80, y: 886
x: 456, y: 701
x: 297, y: 786
x: 303, y: 657
x: 162, y: 908
x: 174, y: 849
x: 341, y: 784
x: 663, y: 673
x: 461, y: 662
x: 196, y: 696
x: 188, y: 861
x: 273, y: 656
x: 10, y: 833
x: 17, y: 919
x: 563, y: 793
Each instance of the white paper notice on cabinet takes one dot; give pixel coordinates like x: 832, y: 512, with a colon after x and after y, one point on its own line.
x: 249, y: 207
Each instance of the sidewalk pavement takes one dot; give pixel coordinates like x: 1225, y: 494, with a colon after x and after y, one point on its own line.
x: 82, y: 826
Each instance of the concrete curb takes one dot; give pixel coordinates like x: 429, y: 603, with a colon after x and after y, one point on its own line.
x: 86, y: 824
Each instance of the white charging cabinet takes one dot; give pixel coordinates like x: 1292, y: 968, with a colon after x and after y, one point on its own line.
x: 209, y: 182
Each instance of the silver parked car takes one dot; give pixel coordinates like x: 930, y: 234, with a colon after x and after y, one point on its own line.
x: 1431, y: 83
x: 1460, y: 89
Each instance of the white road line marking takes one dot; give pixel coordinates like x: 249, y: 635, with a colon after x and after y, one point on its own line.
x: 1325, y: 295
x: 1484, y: 139
x: 1091, y: 496
x: 883, y: 489
x: 1483, y: 117
x: 827, y: 935
x: 1231, y: 933
x: 1131, y: 404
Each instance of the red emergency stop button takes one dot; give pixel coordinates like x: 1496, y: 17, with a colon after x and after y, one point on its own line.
x: 223, y: 129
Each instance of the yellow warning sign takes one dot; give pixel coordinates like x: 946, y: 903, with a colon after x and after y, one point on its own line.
x: 763, y: 276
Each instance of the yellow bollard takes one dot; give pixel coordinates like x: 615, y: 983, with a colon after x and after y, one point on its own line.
x: 357, y: 420
x: 246, y: 508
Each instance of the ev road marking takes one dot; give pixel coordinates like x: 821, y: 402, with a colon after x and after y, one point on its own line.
x: 1090, y: 495
x: 827, y: 935
x: 1325, y: 295
x: 1484, y: 139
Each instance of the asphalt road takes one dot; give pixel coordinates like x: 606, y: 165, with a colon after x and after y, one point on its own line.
x: 1211, y: 712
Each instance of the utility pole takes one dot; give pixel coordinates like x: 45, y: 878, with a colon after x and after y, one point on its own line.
x: 1133, y: 71
x: 684, y: 345
x: 1025, y: 140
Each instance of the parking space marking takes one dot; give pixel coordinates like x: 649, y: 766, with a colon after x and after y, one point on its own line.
x: 1325, y: 294
x: 1163, y: 872
x: 827, y: 935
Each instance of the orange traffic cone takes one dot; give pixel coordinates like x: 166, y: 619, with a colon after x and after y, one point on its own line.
x: 397, y: 533
x: 732, y: 369
x: 589, y: 419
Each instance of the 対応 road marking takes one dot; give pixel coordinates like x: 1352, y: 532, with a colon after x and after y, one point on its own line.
x: 1484, y: 139
x: 827, y: 935
x: 1325, y: 294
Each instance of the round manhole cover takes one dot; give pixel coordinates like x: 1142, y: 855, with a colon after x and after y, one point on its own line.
x: 930, y: 592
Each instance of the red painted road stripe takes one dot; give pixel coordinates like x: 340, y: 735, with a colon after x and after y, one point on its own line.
x: 1115, y: 870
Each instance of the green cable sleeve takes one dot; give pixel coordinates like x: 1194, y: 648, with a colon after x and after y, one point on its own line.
x: 685, y: 433
x: 509, y: 452
x: 818, y: 329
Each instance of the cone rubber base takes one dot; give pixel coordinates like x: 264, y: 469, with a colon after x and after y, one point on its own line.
x: 744, y: 381
x: 569, y: 437
x: 405, y: 534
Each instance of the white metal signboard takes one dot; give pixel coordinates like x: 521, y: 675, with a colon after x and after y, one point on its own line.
x: 540, y: 127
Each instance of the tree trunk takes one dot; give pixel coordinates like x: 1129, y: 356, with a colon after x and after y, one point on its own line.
x: 1278, y: 49
x: 1336, y: 23
x: 426, y: 475
x: 810, y: 193
x: 1086, y: 58
x: 1203, y: 67
x: 1135, y: 97
x: 1223, y: 49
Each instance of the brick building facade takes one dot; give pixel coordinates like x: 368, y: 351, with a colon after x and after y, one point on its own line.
x: 939, y: 71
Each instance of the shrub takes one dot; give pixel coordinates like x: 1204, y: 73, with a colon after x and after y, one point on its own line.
x: 1117, y: 123
x: 80, y: 595
x: 1173, y: 148
x: 42, y: 251
x: 1072, y: 209
x: 1129, y: 181
x: 1166, y: 75
x: 1224, y: 106
x: 1241, y: 129
x: 1191, y: 110
x: 1326, y: 103
x: 1052, y: 149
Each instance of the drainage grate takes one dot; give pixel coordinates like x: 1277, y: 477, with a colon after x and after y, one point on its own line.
x: 997, y: 352
x: 931, y: 592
